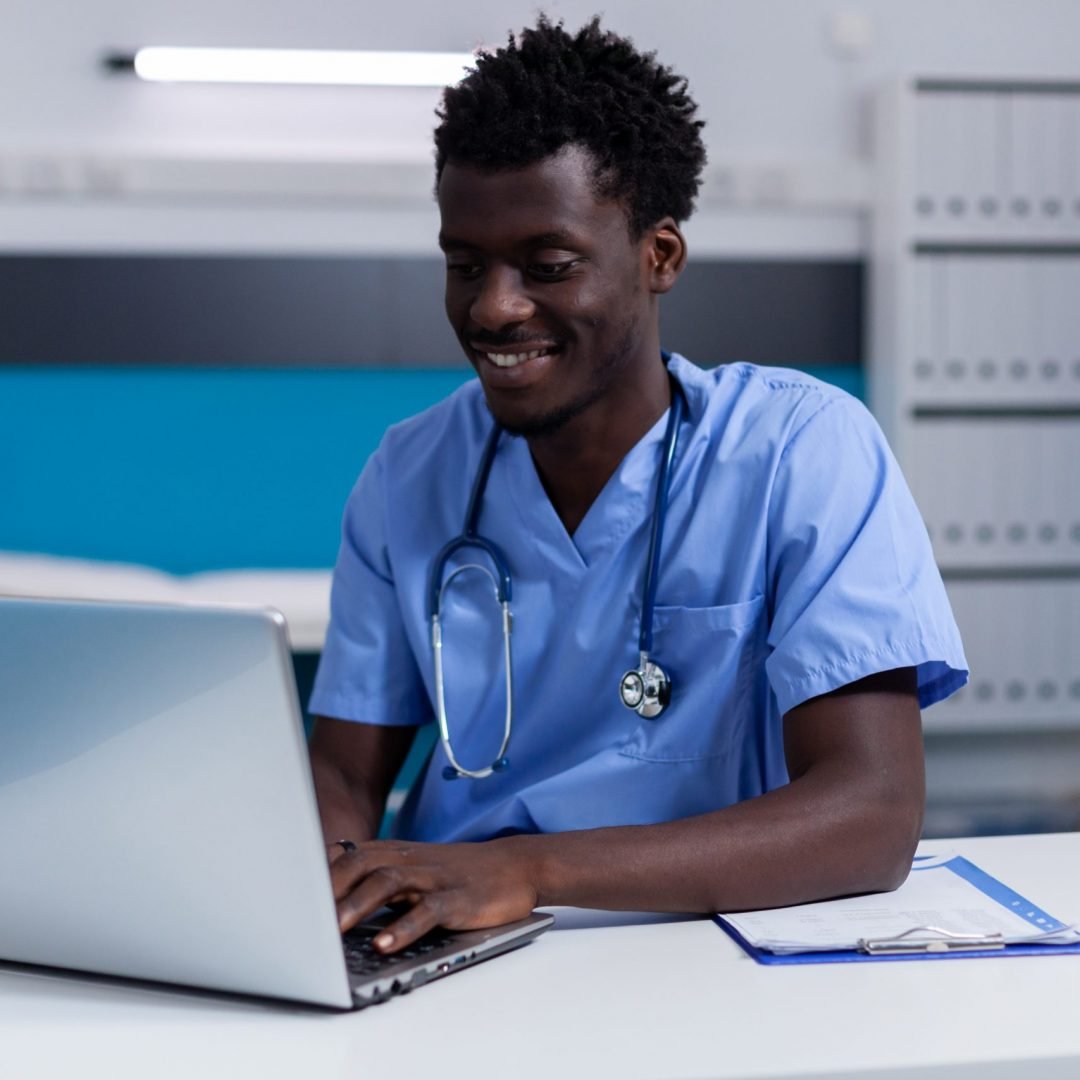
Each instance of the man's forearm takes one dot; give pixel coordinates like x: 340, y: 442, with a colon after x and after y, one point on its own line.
x: 348, y: 809
x: 354, y: 765
x: 822, y: 836
x: 848, y: 822
x: 813, y: 839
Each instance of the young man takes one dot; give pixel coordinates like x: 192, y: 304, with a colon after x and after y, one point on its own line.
x: 797, y: 608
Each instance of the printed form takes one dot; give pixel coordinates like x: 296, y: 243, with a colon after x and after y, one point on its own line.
x: 944, y: 895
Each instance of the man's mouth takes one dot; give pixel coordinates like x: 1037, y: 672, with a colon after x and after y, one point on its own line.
x: 513, y: 359
x: 507, y: 358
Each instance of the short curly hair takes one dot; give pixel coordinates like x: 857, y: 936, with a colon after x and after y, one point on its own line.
x: 547, y: 89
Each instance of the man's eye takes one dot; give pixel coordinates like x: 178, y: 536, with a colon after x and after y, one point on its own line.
x: 551, y: 270
x: 464, y: 270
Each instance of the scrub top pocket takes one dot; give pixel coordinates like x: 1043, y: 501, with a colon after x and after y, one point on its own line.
x: 712, y: 656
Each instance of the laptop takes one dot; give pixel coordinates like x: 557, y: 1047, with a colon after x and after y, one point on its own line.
x: 157, y: 813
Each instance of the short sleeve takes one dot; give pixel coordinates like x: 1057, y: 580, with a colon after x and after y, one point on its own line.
x: 853, y: 586
x: 367, y: 671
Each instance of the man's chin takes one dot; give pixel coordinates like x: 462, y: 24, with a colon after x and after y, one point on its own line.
x: 538, y: 425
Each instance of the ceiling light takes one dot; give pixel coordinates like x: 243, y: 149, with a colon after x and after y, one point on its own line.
x: 294, y: 66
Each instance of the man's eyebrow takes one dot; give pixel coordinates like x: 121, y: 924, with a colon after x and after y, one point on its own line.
x: 554, y: 238
x: 551, y: 239
x: 446, y: 241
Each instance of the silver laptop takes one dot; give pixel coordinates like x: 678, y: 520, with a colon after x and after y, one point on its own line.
x: 157, y: 813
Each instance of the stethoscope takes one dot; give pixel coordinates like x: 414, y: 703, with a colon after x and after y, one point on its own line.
x: 646, y: 689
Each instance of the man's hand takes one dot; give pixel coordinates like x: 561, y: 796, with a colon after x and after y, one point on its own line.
x: 456, y: 886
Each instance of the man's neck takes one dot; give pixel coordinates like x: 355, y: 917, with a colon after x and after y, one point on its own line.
x: 577, y: 461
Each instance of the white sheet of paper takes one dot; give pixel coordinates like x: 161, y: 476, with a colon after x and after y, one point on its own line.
x: 933, y: 896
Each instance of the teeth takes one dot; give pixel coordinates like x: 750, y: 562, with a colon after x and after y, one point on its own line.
x: 506, y: 360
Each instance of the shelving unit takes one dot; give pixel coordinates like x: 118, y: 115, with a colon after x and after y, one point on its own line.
x: 975, y: 374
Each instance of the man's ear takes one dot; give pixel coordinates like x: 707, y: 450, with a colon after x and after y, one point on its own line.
x: 666, y: 252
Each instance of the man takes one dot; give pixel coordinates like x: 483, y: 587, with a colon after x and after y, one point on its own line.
x: 797, y: 609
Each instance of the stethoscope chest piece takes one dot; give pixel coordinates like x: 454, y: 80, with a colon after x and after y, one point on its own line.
x: 646, y: 689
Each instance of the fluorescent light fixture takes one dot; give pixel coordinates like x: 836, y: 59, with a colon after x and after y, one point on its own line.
x: 295, y: 66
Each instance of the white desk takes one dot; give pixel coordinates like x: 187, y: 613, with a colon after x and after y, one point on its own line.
x: 604, y: 995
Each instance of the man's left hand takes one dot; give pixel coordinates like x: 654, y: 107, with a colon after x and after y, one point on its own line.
x: 456, y: 886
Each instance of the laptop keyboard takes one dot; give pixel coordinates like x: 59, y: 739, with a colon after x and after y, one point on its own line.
x: 362, y: 958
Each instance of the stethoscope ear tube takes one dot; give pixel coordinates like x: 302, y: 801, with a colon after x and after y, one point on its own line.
x: 501, y: 762
x: 436, y: 584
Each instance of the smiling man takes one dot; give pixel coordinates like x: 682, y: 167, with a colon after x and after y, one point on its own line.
x: 726, y: 613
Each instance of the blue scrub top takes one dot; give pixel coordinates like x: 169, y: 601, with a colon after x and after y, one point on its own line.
x: 794, y: 562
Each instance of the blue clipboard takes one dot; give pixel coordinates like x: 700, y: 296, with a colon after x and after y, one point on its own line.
x: 853, y: 956
x: 982, y: 881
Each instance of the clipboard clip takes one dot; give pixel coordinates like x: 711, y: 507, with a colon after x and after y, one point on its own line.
x: 942, y: 941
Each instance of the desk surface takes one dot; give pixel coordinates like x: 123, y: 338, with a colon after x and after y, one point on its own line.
x: 604, y: 995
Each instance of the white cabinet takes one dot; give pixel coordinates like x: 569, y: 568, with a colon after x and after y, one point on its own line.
x: 975, y: 373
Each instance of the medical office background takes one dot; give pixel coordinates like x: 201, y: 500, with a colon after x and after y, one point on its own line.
x: 215, y: 298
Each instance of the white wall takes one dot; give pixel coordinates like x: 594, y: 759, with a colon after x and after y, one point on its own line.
x: 786, y: 111
x: 763, y: 70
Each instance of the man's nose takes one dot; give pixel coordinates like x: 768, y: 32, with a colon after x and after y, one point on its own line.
x: 501, y: 300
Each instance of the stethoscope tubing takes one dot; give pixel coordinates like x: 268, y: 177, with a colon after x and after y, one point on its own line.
x: 501, y: 580
x: 656, y: 538
x: 456, y: 768
x: 470, y: 539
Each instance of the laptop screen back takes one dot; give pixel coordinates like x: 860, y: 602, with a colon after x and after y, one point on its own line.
x: 157, y: 815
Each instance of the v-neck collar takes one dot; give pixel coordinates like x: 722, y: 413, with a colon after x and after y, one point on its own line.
x: 624, y: 501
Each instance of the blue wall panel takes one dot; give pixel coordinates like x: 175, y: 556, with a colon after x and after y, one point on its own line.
x: 201, y: 469
x: 193, y: 470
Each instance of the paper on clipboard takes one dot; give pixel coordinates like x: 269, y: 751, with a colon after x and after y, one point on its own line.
x: 944, y: 895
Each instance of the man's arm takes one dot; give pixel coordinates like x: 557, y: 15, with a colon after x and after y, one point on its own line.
x: 354, y: 766
x: 848, y: 822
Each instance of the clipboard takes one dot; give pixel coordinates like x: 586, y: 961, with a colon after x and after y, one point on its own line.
x: 856, y: 956
x: 928, y: 942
